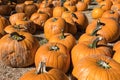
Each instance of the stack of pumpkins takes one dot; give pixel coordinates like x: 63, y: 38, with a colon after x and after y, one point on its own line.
x: 61, y: 53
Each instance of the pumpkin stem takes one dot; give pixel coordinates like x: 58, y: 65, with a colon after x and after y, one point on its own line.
x: 54, y: 48
x: 16, y: 36
x: 98, y: 27
x: 62, y: 36
x: 43, y: 41
x: 54, y: 19
x: 62, y: 2
x: 103, y: 64
x: 112, y: 12
x: 41, y: 68
x: 73, y: 15
x: 19, y: 27
x: 94, y: 43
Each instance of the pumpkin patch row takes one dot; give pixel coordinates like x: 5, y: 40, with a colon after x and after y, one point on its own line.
x: 94, y: 55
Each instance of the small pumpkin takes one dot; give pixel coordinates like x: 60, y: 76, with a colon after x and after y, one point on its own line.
x: 41, y: 73
x: 39, y: 18
x: 97, y: 68
x: 66, y: 39
x: 28, y: 7
x: 81, y: 6
x: 56, y: 55
x: 86, y: 48
x: 18, y: 49
x: 17, y: 16
x: 53, y: 26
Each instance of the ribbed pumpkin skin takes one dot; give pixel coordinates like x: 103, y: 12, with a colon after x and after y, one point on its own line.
x: 89, y: 69
x: 59, y: 59
x: 110, y: 31
x: 82, y: 50
x: 69, y: 41
x: 53, y: 74
x: 15, y: 53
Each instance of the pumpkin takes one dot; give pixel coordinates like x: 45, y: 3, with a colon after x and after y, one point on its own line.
x: 18, y: 49
x: 116, y: 45
x: 70, y: 6
x: 109, y: 30
x: 17, y: 16
x: 41, y: 73
x: 39, y: 18
x: 106, y: 4
x: 53, y: 26
x: 66, y: 39
x: 111, y: 14
x: 67, y: 16
x: 28, y: 24
x: 28, y: 7
x: 116, y: 55
x: 86, y: 48
x: 81, y: 6
x: 97, y: 68
x: 55, y: 54
x: 80, y: 19
x: 97, y: 12
x: 3, y: 23
x: 5, y: 9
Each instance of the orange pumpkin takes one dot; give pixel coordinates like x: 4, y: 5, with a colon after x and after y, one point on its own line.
x: 18, y: 49
x: 81, y: 6
x: 39, y: 18
x: 41, y: 73
x: 109, y: 30
x: 17, y: 16
x: 54, y: 26
x: 86, y: 48
x: 111, y: 14
x: 97, y: 68
x: 56, y: 55
x: 67, y: 16
x: 66, y: 39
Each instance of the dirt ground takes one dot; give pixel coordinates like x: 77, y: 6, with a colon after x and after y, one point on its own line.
x: 8, y: 73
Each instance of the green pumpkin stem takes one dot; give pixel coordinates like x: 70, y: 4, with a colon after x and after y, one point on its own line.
x: 16, y: 36
x: 54, y: 48
x: 94, y: 43
x: 41, y: 68
x: 62, y: 36
x: 98, y: 27
x: 103, y: 64
x: 62, y: 2
x: 73, y: 15
x: 54, y: 19
x: 43, y: 41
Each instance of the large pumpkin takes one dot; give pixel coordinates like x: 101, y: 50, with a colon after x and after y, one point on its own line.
x: 97, y: 68
x: 110, y: 29
x: 56, y: 55
x: 54, y: 26
x: 18, y: 49
x: 41, y: 73
x: 86, y: 48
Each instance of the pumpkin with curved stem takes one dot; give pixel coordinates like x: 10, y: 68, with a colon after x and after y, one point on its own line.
x: 86, y: 48
x: 55, y: 54
x: 97, y: 68
x: 39, y: 18
x: 110, y: 28
x: 18, y: 49
x: 66, y: 39
x: 54, y: 26
x: 41, y: 73
x: 67, y: 16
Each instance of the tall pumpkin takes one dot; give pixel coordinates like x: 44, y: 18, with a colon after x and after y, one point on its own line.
x: 56, y: 55
x: 18, y: 49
